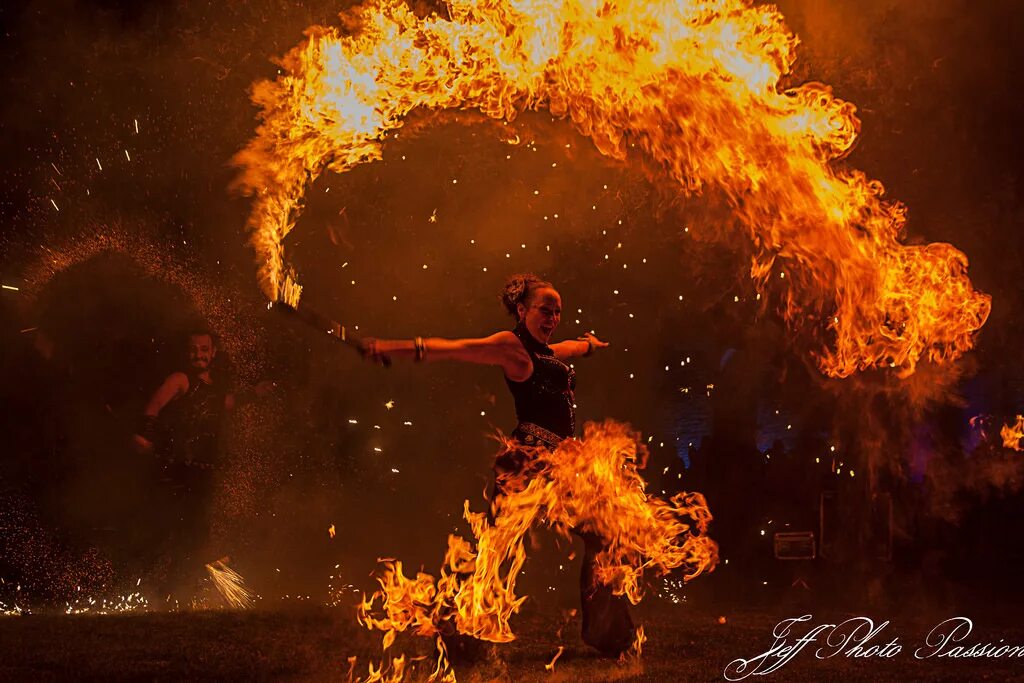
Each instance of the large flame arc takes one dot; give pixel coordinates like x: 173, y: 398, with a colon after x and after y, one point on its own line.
x: 694, y: 84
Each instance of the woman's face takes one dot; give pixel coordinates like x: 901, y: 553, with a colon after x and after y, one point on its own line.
x: 542, y: 312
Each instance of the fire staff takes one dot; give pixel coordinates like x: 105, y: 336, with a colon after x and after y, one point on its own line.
x: 542, y: 385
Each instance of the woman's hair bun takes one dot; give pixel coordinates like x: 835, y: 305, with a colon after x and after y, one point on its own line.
x: 517, y: 291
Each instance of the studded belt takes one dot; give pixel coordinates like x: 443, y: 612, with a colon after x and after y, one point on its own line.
x: 533, y: 435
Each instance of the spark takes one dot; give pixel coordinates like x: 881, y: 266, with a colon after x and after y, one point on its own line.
x: 230, y: 585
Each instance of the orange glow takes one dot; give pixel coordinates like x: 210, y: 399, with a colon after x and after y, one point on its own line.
x: 593, y: 484
x: 550, y: 666
x: 1012, y: 435
x: 695, y: 86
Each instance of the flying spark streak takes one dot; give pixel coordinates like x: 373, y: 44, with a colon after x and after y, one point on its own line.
x: 230, y: 585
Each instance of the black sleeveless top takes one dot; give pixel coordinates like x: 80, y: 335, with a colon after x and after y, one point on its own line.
x: 546, y: 398
x: 195, y: 432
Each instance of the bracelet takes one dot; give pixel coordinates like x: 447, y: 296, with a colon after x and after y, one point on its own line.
x: 147, y: 427
x: 421, y: 348
x: 590, y: 347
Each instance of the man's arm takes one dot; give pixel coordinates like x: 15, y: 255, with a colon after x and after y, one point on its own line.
x: 245, y: 396
x: 173, y: 387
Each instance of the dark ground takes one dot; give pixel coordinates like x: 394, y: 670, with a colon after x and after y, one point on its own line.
x: 314, y: 644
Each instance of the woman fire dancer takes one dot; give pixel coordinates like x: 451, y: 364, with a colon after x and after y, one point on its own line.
x: 542, y: 384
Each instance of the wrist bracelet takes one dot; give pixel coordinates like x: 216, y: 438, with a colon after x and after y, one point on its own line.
x: 147, y: 427
x: 421, y: 348
x: 590, y: 347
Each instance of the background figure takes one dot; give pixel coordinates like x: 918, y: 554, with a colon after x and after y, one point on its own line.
x: 182, y: 424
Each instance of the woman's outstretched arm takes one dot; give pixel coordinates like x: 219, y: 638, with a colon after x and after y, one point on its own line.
x: 571, y: 348
x: 502, y: 348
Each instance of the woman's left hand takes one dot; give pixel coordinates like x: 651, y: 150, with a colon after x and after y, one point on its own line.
x: 593, y: 342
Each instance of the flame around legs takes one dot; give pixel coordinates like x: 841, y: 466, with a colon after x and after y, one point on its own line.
x: 592, y: 486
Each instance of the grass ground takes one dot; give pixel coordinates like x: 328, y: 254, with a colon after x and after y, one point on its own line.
x: 314, y: 644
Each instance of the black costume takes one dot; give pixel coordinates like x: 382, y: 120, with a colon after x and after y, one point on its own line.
x: 190, y: 452
x: 546, y: 414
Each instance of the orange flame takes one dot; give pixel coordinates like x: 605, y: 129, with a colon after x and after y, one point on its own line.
x: 695, y: 85
x: 550, y: 666
x: 591, y: 484
x: 638, y: 644
x: 1012, y: 435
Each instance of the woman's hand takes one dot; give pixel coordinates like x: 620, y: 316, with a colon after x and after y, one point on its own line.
x: 592, y: 343
x: 141, y: 445
x: 369, y: 349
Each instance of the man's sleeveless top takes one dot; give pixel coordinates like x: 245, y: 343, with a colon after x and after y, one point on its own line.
x: 545, y: 399
x: 195, y: 434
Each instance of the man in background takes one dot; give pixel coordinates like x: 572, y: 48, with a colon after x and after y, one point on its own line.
x: 182, y: 424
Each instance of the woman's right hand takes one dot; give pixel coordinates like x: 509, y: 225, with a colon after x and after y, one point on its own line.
x: 141, y: 444
x: 369, y: 349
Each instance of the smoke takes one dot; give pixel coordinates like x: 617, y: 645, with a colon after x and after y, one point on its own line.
x: 129, y: 115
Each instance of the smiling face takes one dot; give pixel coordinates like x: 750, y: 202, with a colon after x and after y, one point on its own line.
x: 542, y: 312
x: 201, y: 351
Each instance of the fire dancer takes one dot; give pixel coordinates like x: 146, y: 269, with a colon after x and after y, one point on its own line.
x: 542, y: 385
x: 188, y: 445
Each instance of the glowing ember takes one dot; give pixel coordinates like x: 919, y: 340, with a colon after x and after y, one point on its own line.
x: 591, y: 485
x: 695, y: 86
x: 230, y: 585
x: 1012, y: 435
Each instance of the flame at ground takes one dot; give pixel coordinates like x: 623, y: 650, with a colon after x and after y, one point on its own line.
x: 1012, y: 435
x: 591, y: 485
x: 696, y: 85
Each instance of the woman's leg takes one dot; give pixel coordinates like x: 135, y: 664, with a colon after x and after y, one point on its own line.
x: 607, y: 625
